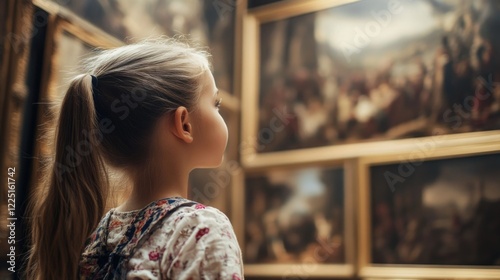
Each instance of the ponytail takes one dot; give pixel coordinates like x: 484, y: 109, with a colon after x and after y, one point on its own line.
x: 71, y: 202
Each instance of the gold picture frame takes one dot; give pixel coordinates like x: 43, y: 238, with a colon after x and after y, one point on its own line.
x: 311, y: 264
x: 371, y: 210
x: 256, y: 133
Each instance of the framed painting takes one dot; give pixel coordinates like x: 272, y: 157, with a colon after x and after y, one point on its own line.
x: 209, y: 23
x: 297, y: 222
x: 341, y: 78
x: 431, y: 217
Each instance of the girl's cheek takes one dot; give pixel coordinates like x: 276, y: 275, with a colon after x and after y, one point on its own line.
x: 223, y: 130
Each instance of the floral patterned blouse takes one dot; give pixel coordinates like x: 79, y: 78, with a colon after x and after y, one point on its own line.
x: 171, y: 238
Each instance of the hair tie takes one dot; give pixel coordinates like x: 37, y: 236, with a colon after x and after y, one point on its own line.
x: 94, y: 87
x: 94, y: 82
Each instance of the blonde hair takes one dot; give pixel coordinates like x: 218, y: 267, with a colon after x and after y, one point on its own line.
x: 98, y: 125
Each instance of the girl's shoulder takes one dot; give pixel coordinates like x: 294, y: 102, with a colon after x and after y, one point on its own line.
x: 199, y: 211
x: 181, y: 214
x: 198, y: 216
x: 178, y: 208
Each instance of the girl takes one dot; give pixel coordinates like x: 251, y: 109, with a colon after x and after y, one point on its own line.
x: 151, y: 110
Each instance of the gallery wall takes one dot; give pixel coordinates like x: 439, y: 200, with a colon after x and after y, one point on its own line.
x: 370, y: 139
x: 364, y: 135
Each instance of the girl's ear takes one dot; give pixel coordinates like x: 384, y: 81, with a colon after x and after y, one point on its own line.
x: 181, y: 127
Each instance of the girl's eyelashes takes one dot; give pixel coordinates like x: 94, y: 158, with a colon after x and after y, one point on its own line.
x: 218, y: 102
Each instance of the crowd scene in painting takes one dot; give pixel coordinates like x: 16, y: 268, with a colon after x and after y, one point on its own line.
x: 295, y: 219
x: 408, y: 96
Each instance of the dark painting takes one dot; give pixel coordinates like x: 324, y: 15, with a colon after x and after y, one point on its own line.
x: 295, y: 216
x: 441, y: 212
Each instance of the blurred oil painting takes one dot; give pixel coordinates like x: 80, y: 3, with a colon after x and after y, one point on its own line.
x: 211, y: 23
x: 293, y: 216
x: 444, y: 213
x: 365, y: 71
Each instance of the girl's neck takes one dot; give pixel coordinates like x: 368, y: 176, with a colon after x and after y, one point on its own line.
x: 147, y: 189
